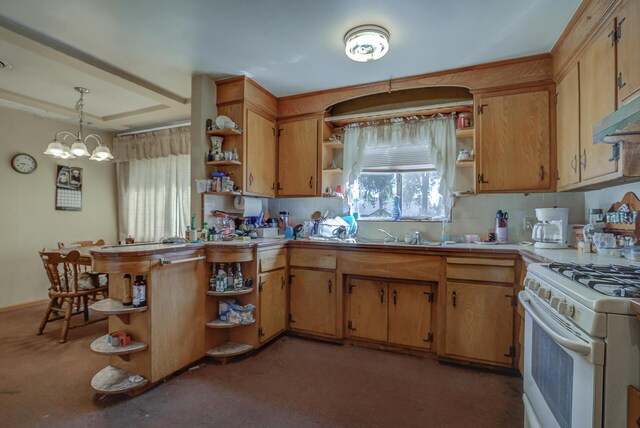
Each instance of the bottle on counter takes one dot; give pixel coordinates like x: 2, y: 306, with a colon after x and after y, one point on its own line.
x: 126, y: 291
x: 502, y: 227
x: 238, y: 279
x: 139, y: 292
x: 222, y: 278
x: 204, y: 232
x: 230, y: 279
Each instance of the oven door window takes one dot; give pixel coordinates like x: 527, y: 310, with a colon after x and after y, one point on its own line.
x: 552, y: 370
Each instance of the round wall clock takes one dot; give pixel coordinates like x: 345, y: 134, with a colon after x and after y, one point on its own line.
x: 24, y: 163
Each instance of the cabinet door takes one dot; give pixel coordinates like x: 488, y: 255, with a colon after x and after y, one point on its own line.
x: 514, y: 142
x: 410, y: 315
x: 597, y: 100
x: 273, y: 304
x: 368, y: 309
x: 479, y: 322
x: 260, y: 155
x: 298, y: 158
x: 568, y: 113
x: 313, y: 301
x: 628, y: 50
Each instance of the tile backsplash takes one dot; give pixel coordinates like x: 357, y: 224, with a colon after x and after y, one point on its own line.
x: 470, y: 215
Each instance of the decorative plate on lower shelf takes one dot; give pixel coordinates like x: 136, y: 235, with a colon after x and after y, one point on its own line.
x: 102, y: 346
x: 243, y: 290
x: 114, y: 307
x: 113, y: 380
x: 224, y: 324
x: 229, y: 349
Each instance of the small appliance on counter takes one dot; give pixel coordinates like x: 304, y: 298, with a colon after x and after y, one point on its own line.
x: 552, y: 230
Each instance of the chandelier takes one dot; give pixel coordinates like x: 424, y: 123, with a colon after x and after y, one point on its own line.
x: 59, y: 150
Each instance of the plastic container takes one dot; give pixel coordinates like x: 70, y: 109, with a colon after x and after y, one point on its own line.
x: 609, y: 252
x: 632, y: 253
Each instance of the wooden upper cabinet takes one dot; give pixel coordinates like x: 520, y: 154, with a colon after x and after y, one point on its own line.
x: 513, y: 140
x: 298, y: 158
x: 368, y: 309
x: 479, y: 322
x: 597, y: 100
x: 273, y: 304
x: 313, y: 301
x: 568, y: 114
x: 628, y: 50
x: 260, y: 155
x: 410, y: 315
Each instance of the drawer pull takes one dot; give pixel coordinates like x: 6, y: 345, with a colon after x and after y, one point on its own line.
x: 454, y: 295
x: 382, y: 295
x: 330, y: 286
x: 395, y: 297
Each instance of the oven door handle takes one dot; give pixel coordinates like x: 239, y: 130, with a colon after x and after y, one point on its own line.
x: 574, y: 345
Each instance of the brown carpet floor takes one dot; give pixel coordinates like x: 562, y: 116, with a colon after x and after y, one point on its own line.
x: 292, y: 383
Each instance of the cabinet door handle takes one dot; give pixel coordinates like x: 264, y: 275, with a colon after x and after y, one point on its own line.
x: 330, y: 286
x: 620, y: 83
x: 274, y: 131
x: 280, y: 186
x: 282, y: 282
x: 574, y: 163
x: 481, y: 179
x: 311, y: 182
x: 382, y: 295
x: 395, y: 297
x: 583, y: 159
x: 454, y: 295
x: 273, y: 186
x: 541, y: 172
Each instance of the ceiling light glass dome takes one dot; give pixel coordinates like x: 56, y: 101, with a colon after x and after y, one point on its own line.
x: 366, y: 43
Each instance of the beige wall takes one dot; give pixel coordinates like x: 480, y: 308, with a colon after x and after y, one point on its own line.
x: 28, y: 219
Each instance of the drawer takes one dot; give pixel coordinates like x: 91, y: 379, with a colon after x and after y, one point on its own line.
x: 476, y: 269
x: 273, y: 259
x: 321, y: 259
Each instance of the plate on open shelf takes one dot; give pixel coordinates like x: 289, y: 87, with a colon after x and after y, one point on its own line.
x: 224, y: 122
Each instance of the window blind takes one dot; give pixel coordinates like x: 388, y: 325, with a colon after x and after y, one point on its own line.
x: 397, y: 159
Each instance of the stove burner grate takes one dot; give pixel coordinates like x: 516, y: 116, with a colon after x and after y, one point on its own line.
x: 611, y: 280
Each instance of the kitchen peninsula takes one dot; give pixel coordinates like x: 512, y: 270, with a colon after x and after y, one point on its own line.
x: 412, y: 299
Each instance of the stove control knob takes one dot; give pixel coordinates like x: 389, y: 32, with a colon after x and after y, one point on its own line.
x: 544, y: 293
x: 565, y: 308
x: 535, y: 285
x: 527, y: 282
x: 555, y: 301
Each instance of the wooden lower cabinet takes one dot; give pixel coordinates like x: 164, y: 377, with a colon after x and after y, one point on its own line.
x: 390, y: 312
x: 479, y: 322
x: 273, y: 304
x: 368, y: 309
x: 410, y: 315
x: 312, y: 301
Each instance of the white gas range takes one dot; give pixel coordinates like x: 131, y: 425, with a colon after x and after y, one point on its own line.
x: 582, y: 344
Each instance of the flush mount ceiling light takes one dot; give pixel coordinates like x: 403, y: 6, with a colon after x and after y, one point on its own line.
x: 366, y: 43
x: 58, y: 149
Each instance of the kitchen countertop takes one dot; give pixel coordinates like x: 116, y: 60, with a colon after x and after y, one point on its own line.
x: 142, y: 249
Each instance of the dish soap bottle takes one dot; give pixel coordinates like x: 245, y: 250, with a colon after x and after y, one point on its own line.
x: 502, y: 227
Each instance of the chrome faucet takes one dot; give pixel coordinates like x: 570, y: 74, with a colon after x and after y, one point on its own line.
x: 393, y: 238
x: 416, y: 238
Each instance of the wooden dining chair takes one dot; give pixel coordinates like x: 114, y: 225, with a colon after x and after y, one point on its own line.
x: 98, y: 243
x: 68, y: 283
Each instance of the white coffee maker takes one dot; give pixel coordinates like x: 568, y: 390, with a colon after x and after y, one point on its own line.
x: 552, y: 230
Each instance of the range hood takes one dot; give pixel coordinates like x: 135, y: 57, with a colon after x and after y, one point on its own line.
x: 621, y: 126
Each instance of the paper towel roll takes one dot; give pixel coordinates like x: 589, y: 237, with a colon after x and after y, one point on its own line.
x: 251, y: 207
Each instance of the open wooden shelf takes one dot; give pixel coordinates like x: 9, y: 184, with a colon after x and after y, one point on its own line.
x: 243, y: 290
x: 229, y: 349
x: 102, y: 346
x: 464, y: 133
x: 112, y: 380
x: 333, y: 144
x: 332, y: 171
x: 114, y: 307
x: 224, y: 163
x: 223, y: 193
x: 227, y: 132
x: 224, y: 324
x: 465, y: 164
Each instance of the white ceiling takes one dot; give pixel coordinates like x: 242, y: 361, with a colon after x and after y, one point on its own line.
x: 138, y: 56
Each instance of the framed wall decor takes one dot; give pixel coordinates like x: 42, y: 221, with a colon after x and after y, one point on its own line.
x: 69, y: 188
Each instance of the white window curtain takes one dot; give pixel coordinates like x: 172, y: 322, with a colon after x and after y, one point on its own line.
x: 154, y: 173
x: 436, y: 136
